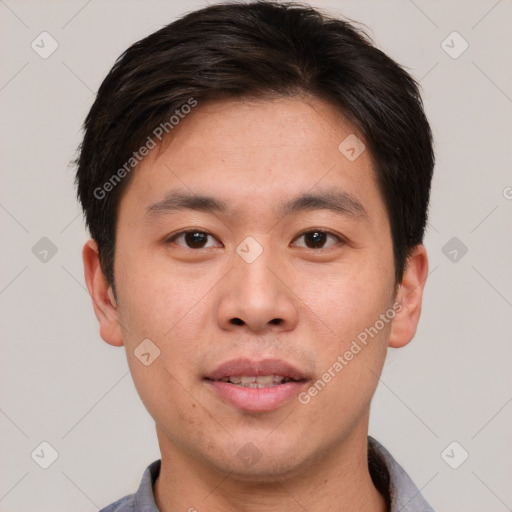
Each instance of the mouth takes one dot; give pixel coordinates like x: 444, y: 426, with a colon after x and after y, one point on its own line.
x: 257, y: 382
x: 256, y: 385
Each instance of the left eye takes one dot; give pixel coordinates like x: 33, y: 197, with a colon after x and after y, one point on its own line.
x: 317, y: 239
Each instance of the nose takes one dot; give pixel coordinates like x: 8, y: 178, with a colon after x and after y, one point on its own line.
x: 256, y: 296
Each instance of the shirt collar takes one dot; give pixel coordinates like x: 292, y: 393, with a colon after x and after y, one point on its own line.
x: 393, y: 482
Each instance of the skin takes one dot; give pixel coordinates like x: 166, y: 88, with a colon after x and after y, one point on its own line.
x: 254, y: 156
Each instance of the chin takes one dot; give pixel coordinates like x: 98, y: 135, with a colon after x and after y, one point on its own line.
x: 250, y: 464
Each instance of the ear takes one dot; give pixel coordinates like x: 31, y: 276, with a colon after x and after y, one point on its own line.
x: 408, y: 298
x: 102, y: 296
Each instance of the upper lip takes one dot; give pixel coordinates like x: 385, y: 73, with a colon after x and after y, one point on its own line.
x: 252, y: 367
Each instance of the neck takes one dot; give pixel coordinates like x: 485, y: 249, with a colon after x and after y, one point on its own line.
x: 336, y: 481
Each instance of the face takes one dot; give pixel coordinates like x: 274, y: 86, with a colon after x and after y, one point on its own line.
x: 283, y: 268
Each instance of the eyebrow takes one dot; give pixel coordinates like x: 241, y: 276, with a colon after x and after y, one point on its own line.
x: 335, y: 200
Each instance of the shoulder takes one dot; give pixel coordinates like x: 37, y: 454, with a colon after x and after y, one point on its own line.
x: 125, y: 504
x: 143, y: 500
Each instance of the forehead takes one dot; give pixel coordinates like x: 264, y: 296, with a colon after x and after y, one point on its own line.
x: 253, y: 149
x: 239, y: 125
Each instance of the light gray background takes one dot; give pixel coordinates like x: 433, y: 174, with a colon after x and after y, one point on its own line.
x: 60, y: 383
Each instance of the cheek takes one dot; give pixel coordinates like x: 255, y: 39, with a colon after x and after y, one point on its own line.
x: 167, y: 399
x: 156, y: 299
x: 351, y: 299
x: 351, y: 363
x: 168, y: 313
x: 354, y: 335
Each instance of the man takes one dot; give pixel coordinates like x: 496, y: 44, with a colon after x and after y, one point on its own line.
x: 255, y: 178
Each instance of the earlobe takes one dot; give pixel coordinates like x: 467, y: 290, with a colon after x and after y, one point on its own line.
x: 103, y: 300
x: 408, y: 298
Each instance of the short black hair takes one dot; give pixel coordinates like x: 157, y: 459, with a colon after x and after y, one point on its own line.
x: 256, y: 50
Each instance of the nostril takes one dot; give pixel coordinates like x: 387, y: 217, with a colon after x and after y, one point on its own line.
x: 239, y: 321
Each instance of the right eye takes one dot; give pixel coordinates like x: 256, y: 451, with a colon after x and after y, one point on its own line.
x: 192, y: 239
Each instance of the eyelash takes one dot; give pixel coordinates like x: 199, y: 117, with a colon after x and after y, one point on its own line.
x: 341, y: 240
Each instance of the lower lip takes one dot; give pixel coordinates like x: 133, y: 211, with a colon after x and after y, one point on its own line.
x: 256, y: 399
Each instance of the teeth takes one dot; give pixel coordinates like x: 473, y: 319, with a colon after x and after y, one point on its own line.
x: 265, y: 379
x: 261, y: 381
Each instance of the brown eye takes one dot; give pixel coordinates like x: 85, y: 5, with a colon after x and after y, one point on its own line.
x: 317, y: 239
x: 192, y: 239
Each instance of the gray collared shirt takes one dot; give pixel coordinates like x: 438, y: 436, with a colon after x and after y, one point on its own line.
x: 388, y: 476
